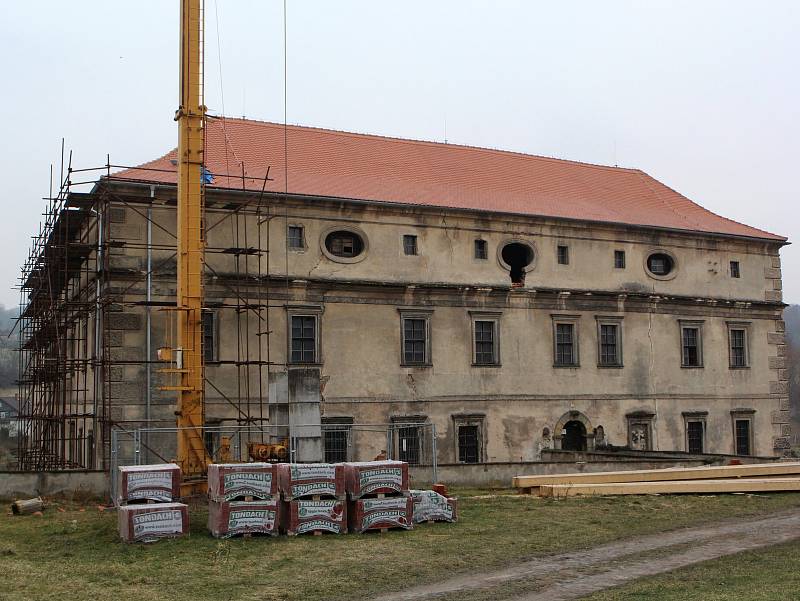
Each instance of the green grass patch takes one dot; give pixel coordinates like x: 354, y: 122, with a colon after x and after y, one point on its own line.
x: 769, y: 574
x: 77, y: 554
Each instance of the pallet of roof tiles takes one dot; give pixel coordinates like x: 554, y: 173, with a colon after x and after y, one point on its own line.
x: 673, y: 487
x: 366, y: 478
x: 381, y: 514
x: 430, y: 506
x: 311, y: 480
x: 149, y: 522
x: 233, y: 518
x: 756, y: 470
x: 231, y: 481
x: 141, y: 483
x: 303, y: 516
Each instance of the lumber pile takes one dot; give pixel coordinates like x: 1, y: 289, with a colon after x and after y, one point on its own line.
x: 762, y: 477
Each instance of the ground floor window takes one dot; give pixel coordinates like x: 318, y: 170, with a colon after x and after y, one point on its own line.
x: 408, y: 444
x: 743, y: 431
x: 335, y: 442
x: 470, y: 438
x: 640, y: 430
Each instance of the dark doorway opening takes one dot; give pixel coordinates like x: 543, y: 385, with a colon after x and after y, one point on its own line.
x: 517, y: 256
x: 574, y: 436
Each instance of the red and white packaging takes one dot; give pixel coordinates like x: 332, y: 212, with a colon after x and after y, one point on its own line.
x: 229, y: 518
x: 148, y: 522
x: 377, y: 514
x: 328, y: 515
x: 160, y: 482
x: 229, y: 481
x: 430, y: 506
x: 375, y: 477
x: 303, y: 480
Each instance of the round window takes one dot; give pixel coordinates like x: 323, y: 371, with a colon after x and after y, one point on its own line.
x: 517, y: 257
x: 660, y: 264
x: 344, y: 244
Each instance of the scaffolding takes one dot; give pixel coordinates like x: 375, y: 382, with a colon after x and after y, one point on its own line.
x: 87, y: 283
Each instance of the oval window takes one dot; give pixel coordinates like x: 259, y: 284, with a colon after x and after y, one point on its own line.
x: 344, y: 244
x: 517, y: 256
x: 660, y: 264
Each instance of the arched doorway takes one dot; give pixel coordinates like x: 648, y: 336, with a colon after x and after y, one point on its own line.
x: 573, y: 436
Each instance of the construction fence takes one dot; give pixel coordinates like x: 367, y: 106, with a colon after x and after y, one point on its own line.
x: 414, y: 443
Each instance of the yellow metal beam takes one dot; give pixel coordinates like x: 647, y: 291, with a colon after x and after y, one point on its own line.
x: 190, y: 116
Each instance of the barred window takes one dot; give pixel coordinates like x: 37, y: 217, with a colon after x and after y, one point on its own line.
x: 335, y: 441
x: 304, y: 339
x: 565, y: 344
x: 481, y: 250
x: 408, y: 444
x: 694, y: 436
x: 619, y: 259
x: 742, y: 432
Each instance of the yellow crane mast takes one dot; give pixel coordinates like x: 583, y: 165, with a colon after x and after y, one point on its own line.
x: 192, y: 455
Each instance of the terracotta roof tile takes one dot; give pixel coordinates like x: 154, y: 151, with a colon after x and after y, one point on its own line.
x: 345, y: 165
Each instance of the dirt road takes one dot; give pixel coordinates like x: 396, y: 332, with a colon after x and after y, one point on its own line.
x: 575, y: 575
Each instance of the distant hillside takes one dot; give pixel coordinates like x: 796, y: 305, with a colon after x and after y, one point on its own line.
x: 791, y: 316
x: 8, y: 345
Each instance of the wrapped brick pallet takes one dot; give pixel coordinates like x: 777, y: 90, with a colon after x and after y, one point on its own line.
x: 430, y: 506
x: 381, y: 514
x: 303, y: 515
x: 304, y: 480
x: 229, y: 481
x: 230, y: 518
x: 139, y: 483
x: 376, y: 477
x: 150, y: 522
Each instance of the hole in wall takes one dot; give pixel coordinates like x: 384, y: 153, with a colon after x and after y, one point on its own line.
x: 517, y: 256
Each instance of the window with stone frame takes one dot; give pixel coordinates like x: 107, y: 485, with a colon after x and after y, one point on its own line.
x: 695, y: 427
x: 304, y: 334
x: 691, y: 343
x: 742, y: 422
x: 481, y: 250
x: 565, y: 340
x: 640, y: 430
x: 609, y: 341
x: 409, y: 434
x: 738, y: 344
x: 415, y: 337
x: 470, y: 437
x: 485, y: 338
x: 619, y: 259
x: 295, y: 236
x: 410, y: 245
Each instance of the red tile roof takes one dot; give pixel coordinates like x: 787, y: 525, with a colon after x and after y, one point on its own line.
x: 336, y: 164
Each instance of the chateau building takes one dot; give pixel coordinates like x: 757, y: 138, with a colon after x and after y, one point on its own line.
x: 515, y: 302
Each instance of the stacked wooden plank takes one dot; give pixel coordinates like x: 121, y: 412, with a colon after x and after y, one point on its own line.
x: 147, y: 511
x: 761, y: 477
x: 378, y: 494
x: 243, y: 499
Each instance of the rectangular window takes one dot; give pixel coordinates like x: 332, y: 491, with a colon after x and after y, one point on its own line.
x: 734, y: 269
x: 565, y: 355
x: 481, y: 250
x: 415, y: 340
x: 694, y: 436
x: 304, y: 339
x: 619, y: 259
x: 563, y: 255
x: 209, y: 337
x: 408, y: 444
x: 468, y: 444
x: 409, y: 244
x: 485, y: 342
x: 335, y: 442
x: 742, y: 432
x: 738, y: 346
x: 295, y: 237
x: 691, y: 355
x: 609, y: 345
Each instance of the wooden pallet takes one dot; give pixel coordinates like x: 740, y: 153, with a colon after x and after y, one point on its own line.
x: 669, y: 487
x: 528, y: 484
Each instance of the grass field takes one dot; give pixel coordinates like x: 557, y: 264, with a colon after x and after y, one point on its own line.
x: 74, y: 554
x: 771, y: 574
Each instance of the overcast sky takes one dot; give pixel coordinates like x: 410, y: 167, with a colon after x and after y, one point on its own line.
x: 702, y: 95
